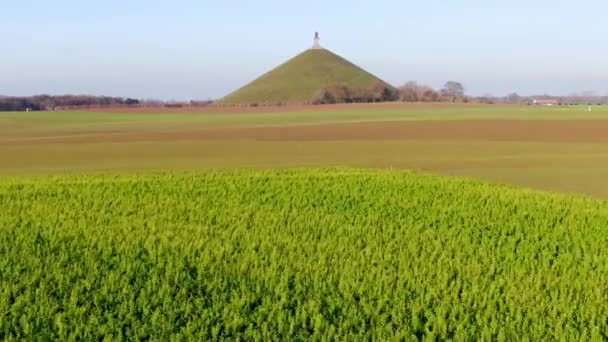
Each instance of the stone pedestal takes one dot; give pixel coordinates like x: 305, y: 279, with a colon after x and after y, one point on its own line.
x: 316, y: 45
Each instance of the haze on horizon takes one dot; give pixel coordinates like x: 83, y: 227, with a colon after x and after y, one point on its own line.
x: 188, y: 49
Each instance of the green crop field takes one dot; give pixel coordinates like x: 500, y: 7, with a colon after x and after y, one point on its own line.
x: 318, y: 253
x: 304, y: 223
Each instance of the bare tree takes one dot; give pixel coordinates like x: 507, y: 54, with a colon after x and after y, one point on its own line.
x: 343, y: 93
x: 47, y: 102
x: 381, y: 92
x: 413, y: 92
x: 487, y: 98
x: 409, y: 92
x: 513, y: 98
x: 453, y: 90
x: 588, y: 96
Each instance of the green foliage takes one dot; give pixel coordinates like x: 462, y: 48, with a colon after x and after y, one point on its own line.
x: 261, y: 255
x: 300, y: 78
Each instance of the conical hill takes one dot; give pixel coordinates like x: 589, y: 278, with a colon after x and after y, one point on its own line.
x: 297, y: 80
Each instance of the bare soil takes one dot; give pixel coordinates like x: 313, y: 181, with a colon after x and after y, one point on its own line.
x: 457, y: 130
x: 287, y: 108
x: 511, y: 130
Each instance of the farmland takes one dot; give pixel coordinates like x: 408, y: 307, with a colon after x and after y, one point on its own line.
x: 335, y: 253
x: 561, y: 149
x: 283, y: 223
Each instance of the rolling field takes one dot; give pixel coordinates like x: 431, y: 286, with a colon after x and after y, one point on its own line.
x: 555, y: 149
x: 298, y: 254
x: 298, y: 223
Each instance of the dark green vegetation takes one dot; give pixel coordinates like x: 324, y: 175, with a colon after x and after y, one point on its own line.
x: 48, y: 102
x: 298, y: 254
x: 301, y: 78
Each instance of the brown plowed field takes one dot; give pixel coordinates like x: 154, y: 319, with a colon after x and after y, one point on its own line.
x: 508, y: 130
x: 463, y: 130
x: 282, y: 109
x: 558, y: 149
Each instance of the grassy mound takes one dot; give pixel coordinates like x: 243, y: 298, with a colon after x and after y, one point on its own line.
x: 298, y: 79
x: 298, y: 254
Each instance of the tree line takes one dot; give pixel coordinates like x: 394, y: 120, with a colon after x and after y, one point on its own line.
x: 452, y: 91
x: 48, y: 102
x: 583, y: 98
x: 62, y: 102
x: 412, y: 91
x: 342, y: 93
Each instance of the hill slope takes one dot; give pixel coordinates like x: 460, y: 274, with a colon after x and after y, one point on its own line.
x: 298, y: 79
x: 301, y: 254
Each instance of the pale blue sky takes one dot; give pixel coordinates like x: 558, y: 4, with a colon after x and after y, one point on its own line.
x: 186, y: 49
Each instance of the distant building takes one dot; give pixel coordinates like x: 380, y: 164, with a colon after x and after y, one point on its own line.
x: 546, y: 102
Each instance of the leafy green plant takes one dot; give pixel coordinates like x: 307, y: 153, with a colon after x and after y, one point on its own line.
x: 259, y: 255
